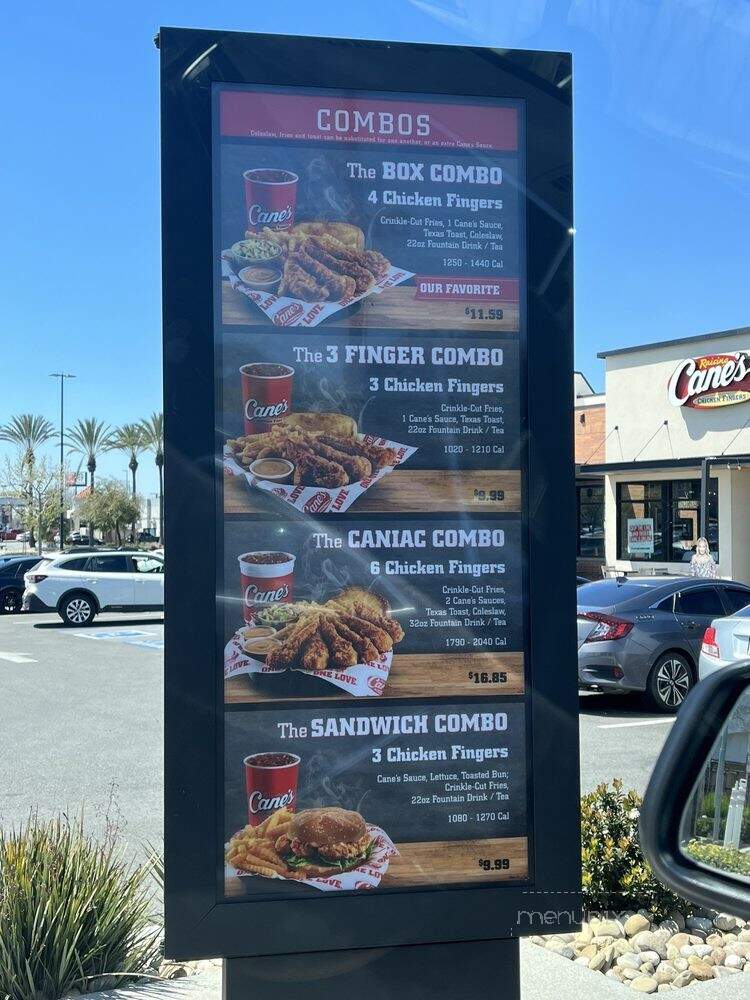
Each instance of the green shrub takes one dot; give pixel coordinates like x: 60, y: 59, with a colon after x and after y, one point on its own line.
x: 726, y: 859
x: 71, y: 910
x: 615, y: 873
x: 704, y: 824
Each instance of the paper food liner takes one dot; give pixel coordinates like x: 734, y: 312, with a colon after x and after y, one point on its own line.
x: 364, y: 680
x: 286, y: 311
x: 367, y: 876
x: 318, y: 499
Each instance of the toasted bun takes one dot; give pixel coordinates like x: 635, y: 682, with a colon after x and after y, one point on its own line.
x: 324, y: 827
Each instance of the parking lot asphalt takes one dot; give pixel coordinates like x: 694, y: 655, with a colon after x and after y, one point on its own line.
x: 81, y: 723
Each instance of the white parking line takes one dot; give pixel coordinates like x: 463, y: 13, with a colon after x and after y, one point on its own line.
x: 16, y: 657
x: 634, y: 725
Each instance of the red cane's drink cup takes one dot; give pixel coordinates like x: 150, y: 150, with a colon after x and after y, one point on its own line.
x: 266, y: 395
x: 267, y: 578
x: 270, y: 198
x: 271, y: 783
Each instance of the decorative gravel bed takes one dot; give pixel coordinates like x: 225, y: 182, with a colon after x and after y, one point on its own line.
x: 652, y: 956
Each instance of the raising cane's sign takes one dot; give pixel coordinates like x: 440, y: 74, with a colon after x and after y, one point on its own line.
x: 711, y: 380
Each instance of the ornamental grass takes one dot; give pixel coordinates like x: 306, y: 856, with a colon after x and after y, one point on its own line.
x: 72, y: 910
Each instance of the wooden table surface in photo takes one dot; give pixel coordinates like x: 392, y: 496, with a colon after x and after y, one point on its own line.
x: 437, y: 863
x: 393, y: 309
x: 412, y: 675
x: 405, y: 491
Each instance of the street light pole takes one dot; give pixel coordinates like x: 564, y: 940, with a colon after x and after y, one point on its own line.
x: 62, y: 376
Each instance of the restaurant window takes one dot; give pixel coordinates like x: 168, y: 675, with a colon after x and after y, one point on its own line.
x: 591, y: 521
x: 660, y: 521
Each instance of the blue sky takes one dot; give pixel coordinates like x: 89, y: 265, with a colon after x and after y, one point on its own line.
x: 662, y: 164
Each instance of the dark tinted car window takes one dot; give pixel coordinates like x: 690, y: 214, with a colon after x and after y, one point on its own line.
x: 667, y: 604
x: 110, y: 564
x: 24, y: 565
x: 77, y: 564
x: 735, y: 598
x: 701, y: 601
x: 604, y: 593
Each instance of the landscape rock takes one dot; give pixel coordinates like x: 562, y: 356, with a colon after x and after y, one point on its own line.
x: 678, y: 919
x: 702, y: 971
x: 725, y: 922
x: 699, y: 924
x: 645, y: 984
x: 598, y: 961
x: 670, y: 925
x: 628, y: 962
x: 683, y: 979
x: 652, y: 957
x: 665, y: 973
x: 635, y: 924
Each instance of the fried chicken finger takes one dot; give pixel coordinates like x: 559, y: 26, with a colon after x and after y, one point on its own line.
x: 342, y: 653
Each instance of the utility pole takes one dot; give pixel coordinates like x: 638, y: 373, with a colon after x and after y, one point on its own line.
x: 62, y: 376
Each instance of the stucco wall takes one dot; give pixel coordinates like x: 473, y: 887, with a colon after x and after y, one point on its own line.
x: 638, y: 405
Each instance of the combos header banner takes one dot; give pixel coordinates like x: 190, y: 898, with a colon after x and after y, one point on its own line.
x: 321, y: 118
x: 711, y: 380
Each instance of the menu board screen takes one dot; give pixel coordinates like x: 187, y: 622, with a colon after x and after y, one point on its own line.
x: 369, y: 258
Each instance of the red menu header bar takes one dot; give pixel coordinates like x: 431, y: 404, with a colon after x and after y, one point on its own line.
x: 320, y: 118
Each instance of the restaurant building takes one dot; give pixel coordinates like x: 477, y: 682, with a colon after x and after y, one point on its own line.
x: 673, y: 462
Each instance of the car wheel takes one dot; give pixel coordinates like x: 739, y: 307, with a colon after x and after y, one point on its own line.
x: 10, y: 601
x: 78, y: 609
x: 670, y: 680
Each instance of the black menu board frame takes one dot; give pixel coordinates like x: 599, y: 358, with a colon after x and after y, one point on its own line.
x: 200, y: 921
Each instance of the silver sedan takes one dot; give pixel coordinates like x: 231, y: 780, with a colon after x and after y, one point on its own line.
x: 645, y: 633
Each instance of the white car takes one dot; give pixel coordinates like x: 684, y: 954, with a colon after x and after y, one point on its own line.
x: 80, y: 585
x: 725, y: 641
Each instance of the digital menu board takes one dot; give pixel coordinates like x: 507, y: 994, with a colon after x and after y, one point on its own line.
x: 370, y: 689
x: 368, y: 267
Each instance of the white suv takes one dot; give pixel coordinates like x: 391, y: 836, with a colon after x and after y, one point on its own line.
x: 80, y: 585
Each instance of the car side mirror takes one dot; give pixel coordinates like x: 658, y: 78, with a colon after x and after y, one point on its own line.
x: 695, y: 820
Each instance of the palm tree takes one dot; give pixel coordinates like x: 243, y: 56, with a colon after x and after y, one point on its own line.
x: 132, y: 439
x: 29, y: 431
x: 89, y: 438
x: 153, y: 430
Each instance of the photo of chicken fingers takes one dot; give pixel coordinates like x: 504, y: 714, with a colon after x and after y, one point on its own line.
x: 378, y: 636
x: 378, y: 457
x: 297, y: 283
x: 285, y: 655
x: 312, y: 470
x: 366, y: 650
x: 357, y: 466
x: 390, y: 625
x: 363, y: 279
x: 342, y: 653
x: 333, y: 283
x: 315, y: 655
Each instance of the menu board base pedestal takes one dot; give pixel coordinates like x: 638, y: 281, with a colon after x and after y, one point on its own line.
x: 461, y: 971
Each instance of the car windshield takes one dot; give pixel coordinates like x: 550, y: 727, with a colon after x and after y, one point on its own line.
x: 605, y: 593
